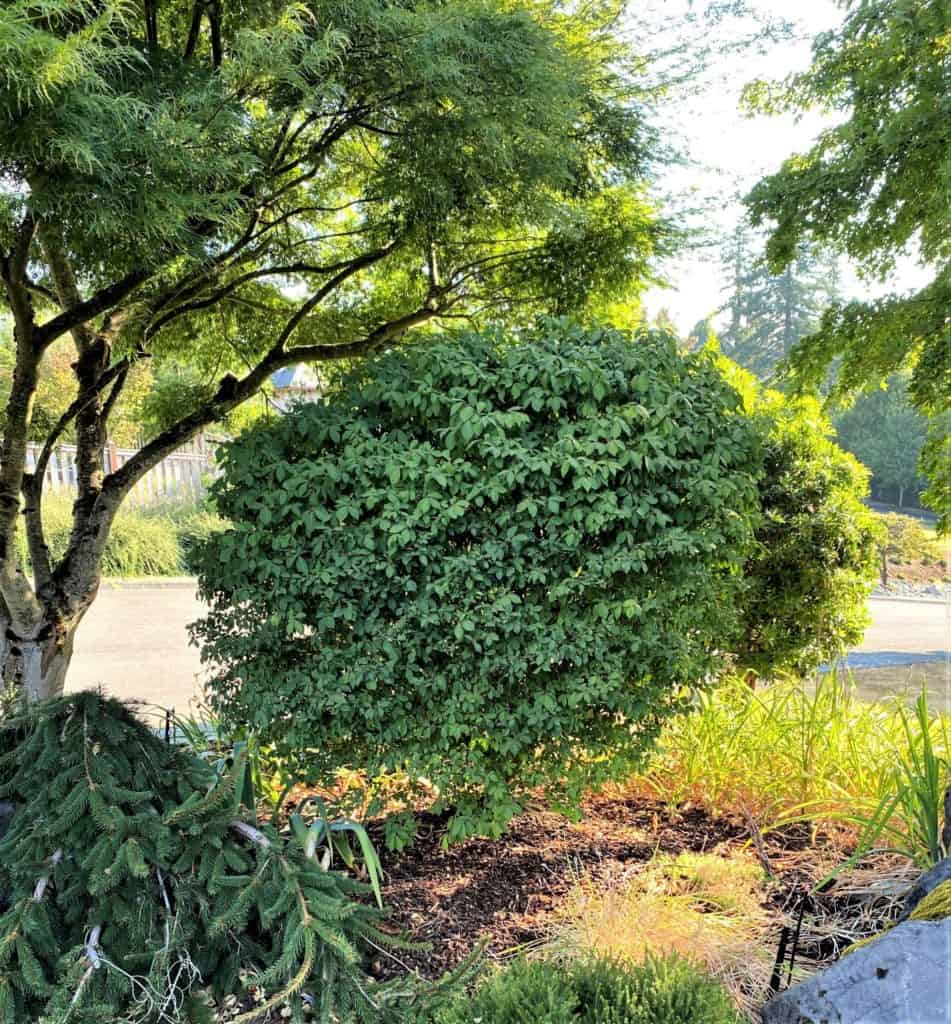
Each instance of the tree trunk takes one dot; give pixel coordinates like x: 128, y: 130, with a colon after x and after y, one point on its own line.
x: 36, y: 666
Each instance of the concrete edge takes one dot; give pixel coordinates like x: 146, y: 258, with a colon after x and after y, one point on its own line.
x: 911, y: 599
x: 148, y: 582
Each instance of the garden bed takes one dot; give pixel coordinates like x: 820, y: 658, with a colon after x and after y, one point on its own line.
x: 510, y: 893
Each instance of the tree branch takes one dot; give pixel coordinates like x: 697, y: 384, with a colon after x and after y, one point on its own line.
x: 194, y: 29
x: 32, y: 487
x: 103, y: 301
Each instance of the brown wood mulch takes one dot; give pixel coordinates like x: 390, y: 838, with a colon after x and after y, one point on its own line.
x: 506, y: 892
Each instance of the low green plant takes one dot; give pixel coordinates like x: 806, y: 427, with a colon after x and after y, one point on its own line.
x: 666, y: 990
x: 795, y: 750
x: 138, y: 888
x: 908, y: 817
x: 143, y: 542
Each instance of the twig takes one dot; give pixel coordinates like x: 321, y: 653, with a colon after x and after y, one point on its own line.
x: 40, y: 891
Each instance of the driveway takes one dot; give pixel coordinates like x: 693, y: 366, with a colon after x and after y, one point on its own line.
x: 134, y: 644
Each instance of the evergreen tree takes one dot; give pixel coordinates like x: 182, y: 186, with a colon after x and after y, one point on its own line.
x: 769, y: 313
x: 885, y: 431
x: 135, y: 887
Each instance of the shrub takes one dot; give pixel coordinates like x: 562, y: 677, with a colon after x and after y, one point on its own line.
x: 904, y: 539
x: 143, y: 542
x: 136, y: 888
x: 594, y: 991
x: 813, y: 750
x: 815, y: 561
x: 493, y: 562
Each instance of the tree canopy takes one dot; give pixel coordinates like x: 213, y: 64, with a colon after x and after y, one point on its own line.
x: 875, y: 185
x: 886, y: 433
x: 770, y: 313
x: 242, y: 187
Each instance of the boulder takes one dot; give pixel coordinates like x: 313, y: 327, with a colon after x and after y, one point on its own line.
x: 929, y: 881
x: 902, y: 977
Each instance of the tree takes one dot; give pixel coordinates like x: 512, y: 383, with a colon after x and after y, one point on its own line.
x: 770, y: 313
x: 236, y: 188
x: 494, y: 562
x: 886, y: 433
x: 874, y: 184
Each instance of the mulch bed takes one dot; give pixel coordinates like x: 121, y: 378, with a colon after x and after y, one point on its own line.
x: 507, y: 892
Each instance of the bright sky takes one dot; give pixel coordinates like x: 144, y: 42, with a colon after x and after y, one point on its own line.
x: 729, y: 153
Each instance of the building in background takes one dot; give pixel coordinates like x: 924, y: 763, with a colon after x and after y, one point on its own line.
x: 293, y: 385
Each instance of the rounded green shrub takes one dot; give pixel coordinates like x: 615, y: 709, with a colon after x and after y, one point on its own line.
x: 595, y: 991
x: 815, y: 562
x: 493, y: 561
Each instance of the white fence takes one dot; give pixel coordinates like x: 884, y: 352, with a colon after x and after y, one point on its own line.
x: 181, y: 476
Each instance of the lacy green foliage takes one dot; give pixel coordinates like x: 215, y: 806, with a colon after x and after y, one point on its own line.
x: 493, y: 562
x: 510, y: 134
x: 595, y: 991
x: 872, y: 184
x: 816, y: 560
x: 142, y: 542
x: 155, y: 900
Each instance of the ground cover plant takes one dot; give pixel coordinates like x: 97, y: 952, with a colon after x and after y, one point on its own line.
x: 135, y: 887
x: 494, y: 562
x: 594, y: 991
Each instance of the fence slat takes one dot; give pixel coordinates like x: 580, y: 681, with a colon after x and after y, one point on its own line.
x: 181, y: 475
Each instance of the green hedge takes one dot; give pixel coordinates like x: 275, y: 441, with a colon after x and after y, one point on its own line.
x: 494, y: 561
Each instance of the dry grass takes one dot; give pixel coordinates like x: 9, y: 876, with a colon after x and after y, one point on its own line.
x: 705, y: 907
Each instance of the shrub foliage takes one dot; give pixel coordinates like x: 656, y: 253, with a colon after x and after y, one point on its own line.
x: 659, y: 991
x: 131, y: 888
x: 815, y: 559
x: 492, y: 561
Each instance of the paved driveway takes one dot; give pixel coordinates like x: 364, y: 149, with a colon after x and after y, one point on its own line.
x: 133, y: 643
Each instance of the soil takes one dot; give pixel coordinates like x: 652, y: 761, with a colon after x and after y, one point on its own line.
x: 506, y: 892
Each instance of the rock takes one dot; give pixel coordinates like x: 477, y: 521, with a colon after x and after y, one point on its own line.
x: 903, y: 977
x: 930, y: 880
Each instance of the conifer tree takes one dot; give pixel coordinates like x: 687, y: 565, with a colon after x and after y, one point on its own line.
x: 134, y: 887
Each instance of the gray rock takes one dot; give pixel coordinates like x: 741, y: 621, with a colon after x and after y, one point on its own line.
x: 903, y: 977
x: 941, y: 872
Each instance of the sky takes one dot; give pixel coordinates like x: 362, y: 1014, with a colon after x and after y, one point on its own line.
x: 729, y: 152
